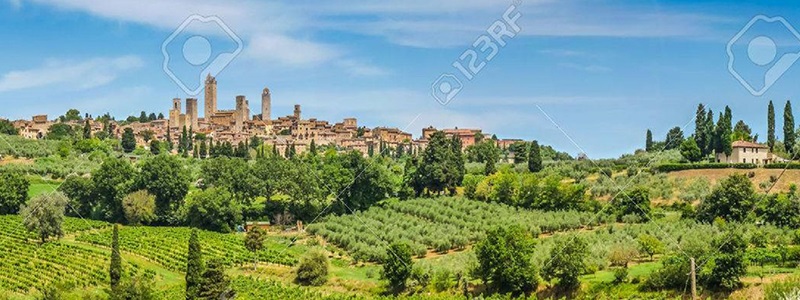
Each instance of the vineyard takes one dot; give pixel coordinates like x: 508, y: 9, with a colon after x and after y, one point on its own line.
x: 441, y: 224
x: 25, y: 265
x: 167, y: 246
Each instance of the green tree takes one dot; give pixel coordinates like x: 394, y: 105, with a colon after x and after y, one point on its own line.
x: 139, y: 206
x: 128, y: 140
x: 742, y: 132
x: 313, y: 269
x: 164, y: 177
x: 254, y: 242
x: 674, y: 138
x: 13, y: 191
x: 648, y: 143
x: 710, y: 134
x: 650, y: 245
x: 115, y: 269
x: 699, y: 127
x: 398, y: 265
x: 111, y: 182
x: 690, y: 150
x: 771, y: 126
x: 635, y: 202
x: 60, y: 131
x: 44, y: 215
x: 788, y: 128
x: 7, y: 128
x: 505, y: 260
x: 80, y: 192
x: 71, y: 115
x: 568, y: 263
x: 194, y: 267
x: 728, y: 264
x: 155, y: 147
x: 87, y: 130
x: 213, y: 209
x: 433, y: 165
x: 534, y: 158
x: 731, y: 200
x: 215, y: 284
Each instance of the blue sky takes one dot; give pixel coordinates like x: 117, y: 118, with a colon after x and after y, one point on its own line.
x: 602, y: 71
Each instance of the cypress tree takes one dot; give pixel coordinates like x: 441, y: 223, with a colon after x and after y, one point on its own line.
x: 535, y: 156
x: 788, y: 128
x: 648, y: 144
x: 771, y: 126
x: 725, y: 139
x: 312, y: 148
x: 709, y: 132
x: 194, y: 267
x: 87, y: 130
x: 699, y: 127
x: 115, y: 270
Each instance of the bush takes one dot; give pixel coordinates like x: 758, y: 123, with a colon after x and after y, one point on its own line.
x: 313, y: 269
x: 784, y: 289
x: 620, y: 275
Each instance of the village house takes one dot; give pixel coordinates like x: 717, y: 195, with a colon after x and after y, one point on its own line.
x: 749, y: 152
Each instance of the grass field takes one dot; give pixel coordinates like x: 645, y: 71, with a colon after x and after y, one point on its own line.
x: 761, y: 175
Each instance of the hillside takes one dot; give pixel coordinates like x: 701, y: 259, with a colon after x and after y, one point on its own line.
x: 761, y: 176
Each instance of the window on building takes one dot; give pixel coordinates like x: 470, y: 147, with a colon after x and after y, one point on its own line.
x: 744, y: 160
x: 744, y: 150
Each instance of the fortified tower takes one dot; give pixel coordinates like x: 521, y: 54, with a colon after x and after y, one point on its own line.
x: 175, y: 113
x: 211, y: 98
x: 191, y: 112
x: 297, y: 112
x: 266, y: 106
x: 241, y: 114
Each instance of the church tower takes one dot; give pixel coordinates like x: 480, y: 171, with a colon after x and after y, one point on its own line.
x: 211, y: 97
x: 266, y: 105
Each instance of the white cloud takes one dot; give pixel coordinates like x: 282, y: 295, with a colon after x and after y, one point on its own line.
x: 79, y: 75
x: 288, y: 51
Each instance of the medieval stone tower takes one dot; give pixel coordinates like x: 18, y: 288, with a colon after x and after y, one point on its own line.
x: 211, y: 97
x: 191, y: 113
x: 266, y: 105
x: 297, y: 112
x: 242, y: 113
x: 175, y: 113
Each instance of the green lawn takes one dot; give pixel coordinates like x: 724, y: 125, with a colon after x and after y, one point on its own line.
x: 41, y: 188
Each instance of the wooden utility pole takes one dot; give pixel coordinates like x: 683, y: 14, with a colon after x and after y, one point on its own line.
x: 694, y: 280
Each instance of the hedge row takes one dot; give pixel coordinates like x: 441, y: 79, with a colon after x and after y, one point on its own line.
x: 679, y: 167
x: 782, y: 166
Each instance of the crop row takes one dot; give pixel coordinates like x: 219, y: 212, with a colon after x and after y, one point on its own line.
x: 437, y: 224
x: 167, y: 246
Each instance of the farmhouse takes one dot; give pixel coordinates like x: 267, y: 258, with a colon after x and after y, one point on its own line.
x: 748, y: 152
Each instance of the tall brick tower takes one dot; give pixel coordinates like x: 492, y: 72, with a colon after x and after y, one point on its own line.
x: 211, y: 97
x: 266, y: 105
x: 191, y: 113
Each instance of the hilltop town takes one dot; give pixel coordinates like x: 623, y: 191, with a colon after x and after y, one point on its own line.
x: 240, y: 125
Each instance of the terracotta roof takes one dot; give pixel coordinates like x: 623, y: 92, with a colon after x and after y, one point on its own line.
x: 746, y: 144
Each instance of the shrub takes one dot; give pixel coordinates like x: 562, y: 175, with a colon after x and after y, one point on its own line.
x: 620, y: 275
x: 313, y: 269
x: 788, y: 288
